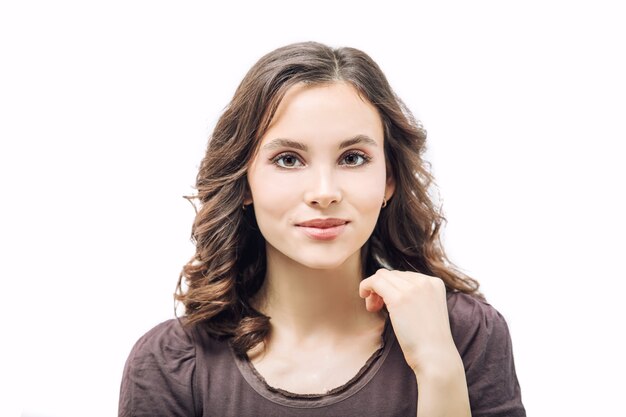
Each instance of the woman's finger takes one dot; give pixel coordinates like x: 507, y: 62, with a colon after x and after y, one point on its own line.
x: 374, y: 302
x: 381, y: 284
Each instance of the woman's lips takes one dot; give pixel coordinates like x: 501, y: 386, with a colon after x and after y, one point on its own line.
x: 323, y: 229
x: 323, y: 223
x: 326, y: 233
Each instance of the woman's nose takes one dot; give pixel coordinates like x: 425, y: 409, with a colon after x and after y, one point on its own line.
x: 323, y: 189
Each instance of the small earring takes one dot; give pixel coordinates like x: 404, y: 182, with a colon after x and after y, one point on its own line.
x: 384, y: 202
x: 243, y: 206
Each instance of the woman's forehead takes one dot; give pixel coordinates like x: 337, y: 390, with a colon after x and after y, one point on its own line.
x: 322, y: 111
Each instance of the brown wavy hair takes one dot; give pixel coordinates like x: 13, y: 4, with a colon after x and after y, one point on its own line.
x: 229, y: 265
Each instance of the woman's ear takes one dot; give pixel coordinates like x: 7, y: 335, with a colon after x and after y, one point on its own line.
x: 390, y: 186
x: 247, y: 195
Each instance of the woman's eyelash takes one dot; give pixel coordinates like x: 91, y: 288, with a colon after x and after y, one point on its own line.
x: 275, y: 160
x: 294, y: 159
x: 366, y: 158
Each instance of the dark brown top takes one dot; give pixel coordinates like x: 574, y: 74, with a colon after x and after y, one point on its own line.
x: 173, y: 371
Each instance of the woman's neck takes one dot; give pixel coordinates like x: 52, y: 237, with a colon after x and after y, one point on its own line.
x: 305, y: 301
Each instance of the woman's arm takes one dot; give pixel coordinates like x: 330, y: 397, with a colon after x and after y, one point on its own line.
x: 418, y: 311
x: 443, y: 391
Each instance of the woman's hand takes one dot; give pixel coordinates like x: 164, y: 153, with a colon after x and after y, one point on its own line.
x: 419, y: 314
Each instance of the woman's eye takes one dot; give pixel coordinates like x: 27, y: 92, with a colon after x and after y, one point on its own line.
x: 355, y: 159
x: 287, y: 161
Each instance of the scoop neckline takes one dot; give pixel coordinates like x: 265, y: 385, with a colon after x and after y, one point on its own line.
x: 335, y: 395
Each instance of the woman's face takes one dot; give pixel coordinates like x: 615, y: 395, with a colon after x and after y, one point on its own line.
x: 318, y: 179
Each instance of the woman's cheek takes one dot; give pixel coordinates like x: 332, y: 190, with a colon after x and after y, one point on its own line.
x: 276, y: 193
x: 369, y: 192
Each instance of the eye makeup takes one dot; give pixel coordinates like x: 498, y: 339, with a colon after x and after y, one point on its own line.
x: 291, y: 160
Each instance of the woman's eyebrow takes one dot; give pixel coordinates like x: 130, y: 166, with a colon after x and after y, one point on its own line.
x: 285, y: 143
x: 289, y: 143
x: 364, y: 139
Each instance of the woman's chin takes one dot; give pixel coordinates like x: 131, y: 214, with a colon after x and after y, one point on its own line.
x: 323, y: 264
x: 312, y: 257
x: 327, y: 261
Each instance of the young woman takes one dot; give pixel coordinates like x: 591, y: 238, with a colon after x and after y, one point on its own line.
x: 319, y: 286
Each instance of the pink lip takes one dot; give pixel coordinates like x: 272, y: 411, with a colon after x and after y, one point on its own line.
x: 323, y: 229
x: 322, y: 223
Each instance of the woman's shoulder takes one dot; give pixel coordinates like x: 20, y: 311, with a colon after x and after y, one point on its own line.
x: 461, y: 304
x: 165, y: 338
x: 174, y: 347
x: 159, y: 372
x: 168, y: 347
x: 482, y: 338
x: 473, y: 320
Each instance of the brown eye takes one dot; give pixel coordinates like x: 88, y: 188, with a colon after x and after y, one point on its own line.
x: 287, y: 160
x: 355, y: 159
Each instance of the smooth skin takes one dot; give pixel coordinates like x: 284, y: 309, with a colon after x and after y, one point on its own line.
x: 323, y: 157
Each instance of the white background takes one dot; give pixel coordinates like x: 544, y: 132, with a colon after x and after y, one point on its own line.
x: 106, y: 108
